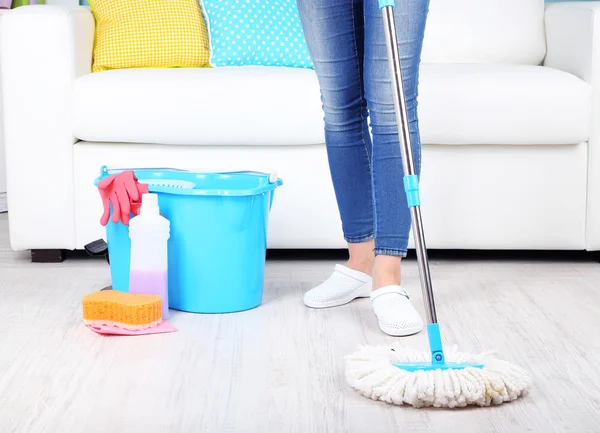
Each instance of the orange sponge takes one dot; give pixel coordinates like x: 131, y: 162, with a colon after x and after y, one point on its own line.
x: 123, y: 310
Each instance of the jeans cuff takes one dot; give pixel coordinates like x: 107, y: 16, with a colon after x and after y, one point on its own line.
x: 359, y: 239
x: 390, y: 252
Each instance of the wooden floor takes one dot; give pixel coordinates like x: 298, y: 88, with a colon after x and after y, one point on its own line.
x: 279, y: 368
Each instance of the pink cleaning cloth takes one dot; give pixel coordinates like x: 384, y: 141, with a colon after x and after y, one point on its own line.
x: 164, y: 327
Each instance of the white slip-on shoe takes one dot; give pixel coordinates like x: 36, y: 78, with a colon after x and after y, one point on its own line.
x: 396, y: 314
x: 343, y: 286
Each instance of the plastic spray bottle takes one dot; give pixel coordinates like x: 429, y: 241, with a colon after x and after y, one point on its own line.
x: 149, y: 233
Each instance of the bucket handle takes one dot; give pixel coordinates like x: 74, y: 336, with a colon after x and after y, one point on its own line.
x: 105, y: 169
x: 272, y: 174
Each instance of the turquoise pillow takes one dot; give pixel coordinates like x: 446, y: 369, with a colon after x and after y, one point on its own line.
x: 256, y: 33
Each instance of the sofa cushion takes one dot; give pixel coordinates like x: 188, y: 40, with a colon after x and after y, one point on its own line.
x: 458, y: 104
x: 250, y: 105
x: 502, y: 104
x: 485, y: 31
x: 256, y: 33
x: 133, y: 34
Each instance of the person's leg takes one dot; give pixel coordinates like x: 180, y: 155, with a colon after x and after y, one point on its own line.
x: 392, y: 215
x: 334, y: 31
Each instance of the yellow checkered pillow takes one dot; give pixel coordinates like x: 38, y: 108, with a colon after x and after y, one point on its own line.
x: 149, y: 33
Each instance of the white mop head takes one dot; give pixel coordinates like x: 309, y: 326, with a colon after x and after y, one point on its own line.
x: 372, y: 373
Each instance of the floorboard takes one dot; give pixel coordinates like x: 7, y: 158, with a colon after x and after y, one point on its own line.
x: 279, y: 368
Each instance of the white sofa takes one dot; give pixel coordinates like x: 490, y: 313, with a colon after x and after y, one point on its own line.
x: 509, y: 107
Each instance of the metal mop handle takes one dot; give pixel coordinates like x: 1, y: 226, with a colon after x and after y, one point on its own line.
x: 411, y: 181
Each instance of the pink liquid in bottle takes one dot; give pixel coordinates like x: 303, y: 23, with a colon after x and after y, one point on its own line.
x: 149, y: 233
x: 151, y: 283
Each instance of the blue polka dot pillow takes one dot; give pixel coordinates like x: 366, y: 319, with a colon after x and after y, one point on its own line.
x: 256, y: 33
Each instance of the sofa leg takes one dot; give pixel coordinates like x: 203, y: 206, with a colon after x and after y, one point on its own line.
x: 48, y: 256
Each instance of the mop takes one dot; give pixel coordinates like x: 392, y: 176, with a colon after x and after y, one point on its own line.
x: 399, y: 375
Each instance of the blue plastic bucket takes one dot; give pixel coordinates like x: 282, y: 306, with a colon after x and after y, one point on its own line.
x: 218, y: 237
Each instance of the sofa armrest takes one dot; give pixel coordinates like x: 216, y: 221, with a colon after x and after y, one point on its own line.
x: 573, y: 45
x: 43, y: 49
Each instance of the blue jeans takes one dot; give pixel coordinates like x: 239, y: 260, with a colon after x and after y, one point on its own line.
x: 346, y: 43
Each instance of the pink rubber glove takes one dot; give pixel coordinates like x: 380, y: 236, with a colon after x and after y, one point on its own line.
x: 124, y: 193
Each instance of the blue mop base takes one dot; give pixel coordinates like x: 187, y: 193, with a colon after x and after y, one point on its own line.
x: 426, y: 366
x: 438, y: 361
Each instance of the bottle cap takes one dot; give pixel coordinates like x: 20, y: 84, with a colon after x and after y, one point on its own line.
x: 149, y: 204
